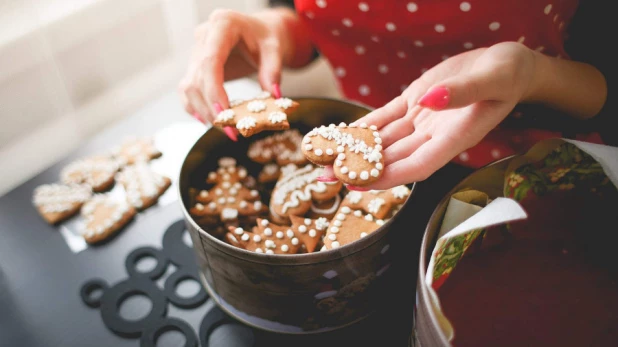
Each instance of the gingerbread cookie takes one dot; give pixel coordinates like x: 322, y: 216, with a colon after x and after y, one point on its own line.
x: 266, y: 238
x: 282, y: 148
x: 377, y: 202
x: 253, y: 116
x: 227, y: 172
x: 295, y: 191
x: 309, y: 231
x: 354, y: 151
x: 227, y: 201
x: 105, y: 216
x: 269, y: 173
x: 325, y: 209
x: 349, y: 226
x: 142, y: 185
x: 57, y: 202
x: 134, y: 150
x: 97, y: 172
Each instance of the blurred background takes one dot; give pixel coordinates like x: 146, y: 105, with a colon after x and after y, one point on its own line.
x: 70, y: 68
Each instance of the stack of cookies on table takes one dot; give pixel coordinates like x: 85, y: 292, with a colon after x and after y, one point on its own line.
x: 84, y: 184
x: 287, y: 210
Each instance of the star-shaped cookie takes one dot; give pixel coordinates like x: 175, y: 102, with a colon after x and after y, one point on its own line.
x: 253, y: 116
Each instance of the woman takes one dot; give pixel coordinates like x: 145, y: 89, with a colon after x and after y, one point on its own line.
x: 470, y: 81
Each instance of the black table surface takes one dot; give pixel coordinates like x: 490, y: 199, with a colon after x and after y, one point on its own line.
x: 40, y: 276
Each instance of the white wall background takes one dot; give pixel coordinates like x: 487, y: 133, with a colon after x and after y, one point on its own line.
x: 69, y: 68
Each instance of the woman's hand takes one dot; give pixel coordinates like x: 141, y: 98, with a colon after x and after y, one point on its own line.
x: 449, y: 109
x: 231, y: 45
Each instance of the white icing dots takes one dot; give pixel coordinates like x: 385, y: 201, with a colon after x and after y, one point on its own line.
x: 256, y: 106
x: 340, y: 216
x: 257, y: 238
x: 307, y: 221
x: 246, y: 123
x: 379, y: 166
x: 308, y: 147
x: 229, y: 213
x: 352, y: 175
x: 340, y: 149
x: 332, y: 237
x: 346, y: 209
x: 284, y: 103
x: 289, y: 233
x: 277, y: 117
x: 358, y: 213
x: 245, y: 237
x: 321, y: 223
x: 344, y: 170
x: 226, y: 115
x: 312, y: 233
x: 335, y: 244
x: 337, y: 223
x: 368, y: 217
x: 268, y: 232
x: 329, y: 151
x: 341, y: 156
x: 239, y: 231
x: 279, y: 234
x: 334, y: 230
x: 259, y: 250
x: 295, y: 241
x: 375, y: 173
x: 302, y: 229
x: 264, y: 222
x: 318, y: 152
x: 364, y: 175
x: 363, y: 234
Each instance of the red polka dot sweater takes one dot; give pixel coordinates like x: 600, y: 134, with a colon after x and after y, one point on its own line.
x: 378, y: 47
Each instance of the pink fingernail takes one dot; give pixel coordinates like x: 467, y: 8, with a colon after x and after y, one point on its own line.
x: 276, y: 90
x: 197, y: 116
x: 326, y: 179
x: 217, y: 107
x: 436, y: 99
x: 231, y: 133
x: 358, y: 189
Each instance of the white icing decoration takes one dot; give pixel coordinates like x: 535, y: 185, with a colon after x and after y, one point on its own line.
x: 346, y: 209
x: 318, y: 152
x: 297, y: 186
x: 363, y: 234
x: 289, y: 233
x: 364, y: 175
x: 270, y: 244
x: 379, y: 222
x: 284, y: 103
x: 279, y: 234
x: 334, y: 244
x: 268, y: 232
x: 245, y: 237
x: 344, y: 170
x: 246, y: 123
x: 368, y: 217
x: 257, y: 238
x: 226, y: 115
x: 375, y: 205
x: 229, y: 213
x: 340, y: 216
x: 256, y: 106
x: 302, y: 229
x: 358, y: 213
x: 400, y: 192
x: 321, y: 223
x: 312, y: 233
x: 295, y: 241
x: 337, y: 223
x: 379, y: 166
x: 199, y: 206
x: 373, y: 127
x: 264, y: 222
x: 329, y: 151
x: 327, y: 211
x: 269, y: 251
x: 308, y: 147
x: 334, y: 229
x: 375, y: 173
x: 263, y: 95
x: 352, y: 175
x: 259, y: 250
x: 284, y: 248
x: 60, y: 198
x: 277, y: 117
x: 332, y: 237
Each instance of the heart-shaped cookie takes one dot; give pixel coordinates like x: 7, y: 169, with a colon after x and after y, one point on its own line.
x: 104, y: 216
x: 253, y: 116
x: 349, y: 226
x: 282, y: 148
x: 57, y: 202
x: 143, y: 186
x: 377, y: 202
x: 354, y: 151
x: 97, y: 172
x: 295, y: 191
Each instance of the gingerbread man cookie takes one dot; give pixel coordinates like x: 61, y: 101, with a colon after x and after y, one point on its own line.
x: 105, y: 216
x: 57, y: 202
x: 377, y: 202
x: 349, y: 226
x: 134, y: 150
x: 309, y: 231
x: 142, y: 185
x: 227, y: 201
x: 97, y: 172
x: 266, y: 238
x: 295, y: 191
x: 354, y: 151
x: 253, y: 116
x: 282, y: 148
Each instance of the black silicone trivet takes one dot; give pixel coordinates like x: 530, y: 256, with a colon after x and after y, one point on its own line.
x: 153, y: 325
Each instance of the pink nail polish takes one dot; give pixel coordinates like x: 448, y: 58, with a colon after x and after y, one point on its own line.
x: 436, y: 99
x: 357, y: 189
x: 326, y: 179
x: 276, y: 90
x: 217, y: 107
x: 229, y: 131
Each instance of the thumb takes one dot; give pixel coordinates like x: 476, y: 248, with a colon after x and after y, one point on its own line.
x: 269, y: 71
x: 461, y: 91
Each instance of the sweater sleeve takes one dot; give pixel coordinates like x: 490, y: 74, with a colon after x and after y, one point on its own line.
x: 589, y: 41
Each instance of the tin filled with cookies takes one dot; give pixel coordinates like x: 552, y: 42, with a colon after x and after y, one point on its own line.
x: 279, y: 249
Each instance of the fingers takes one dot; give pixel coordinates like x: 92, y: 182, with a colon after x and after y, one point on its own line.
x: 269, y: 71
x: 463, y: 90
x: 400, y: 128
x: 386, y: 114
x: 196, y: 104
x: 405, y: 147
x: 426, y: 160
